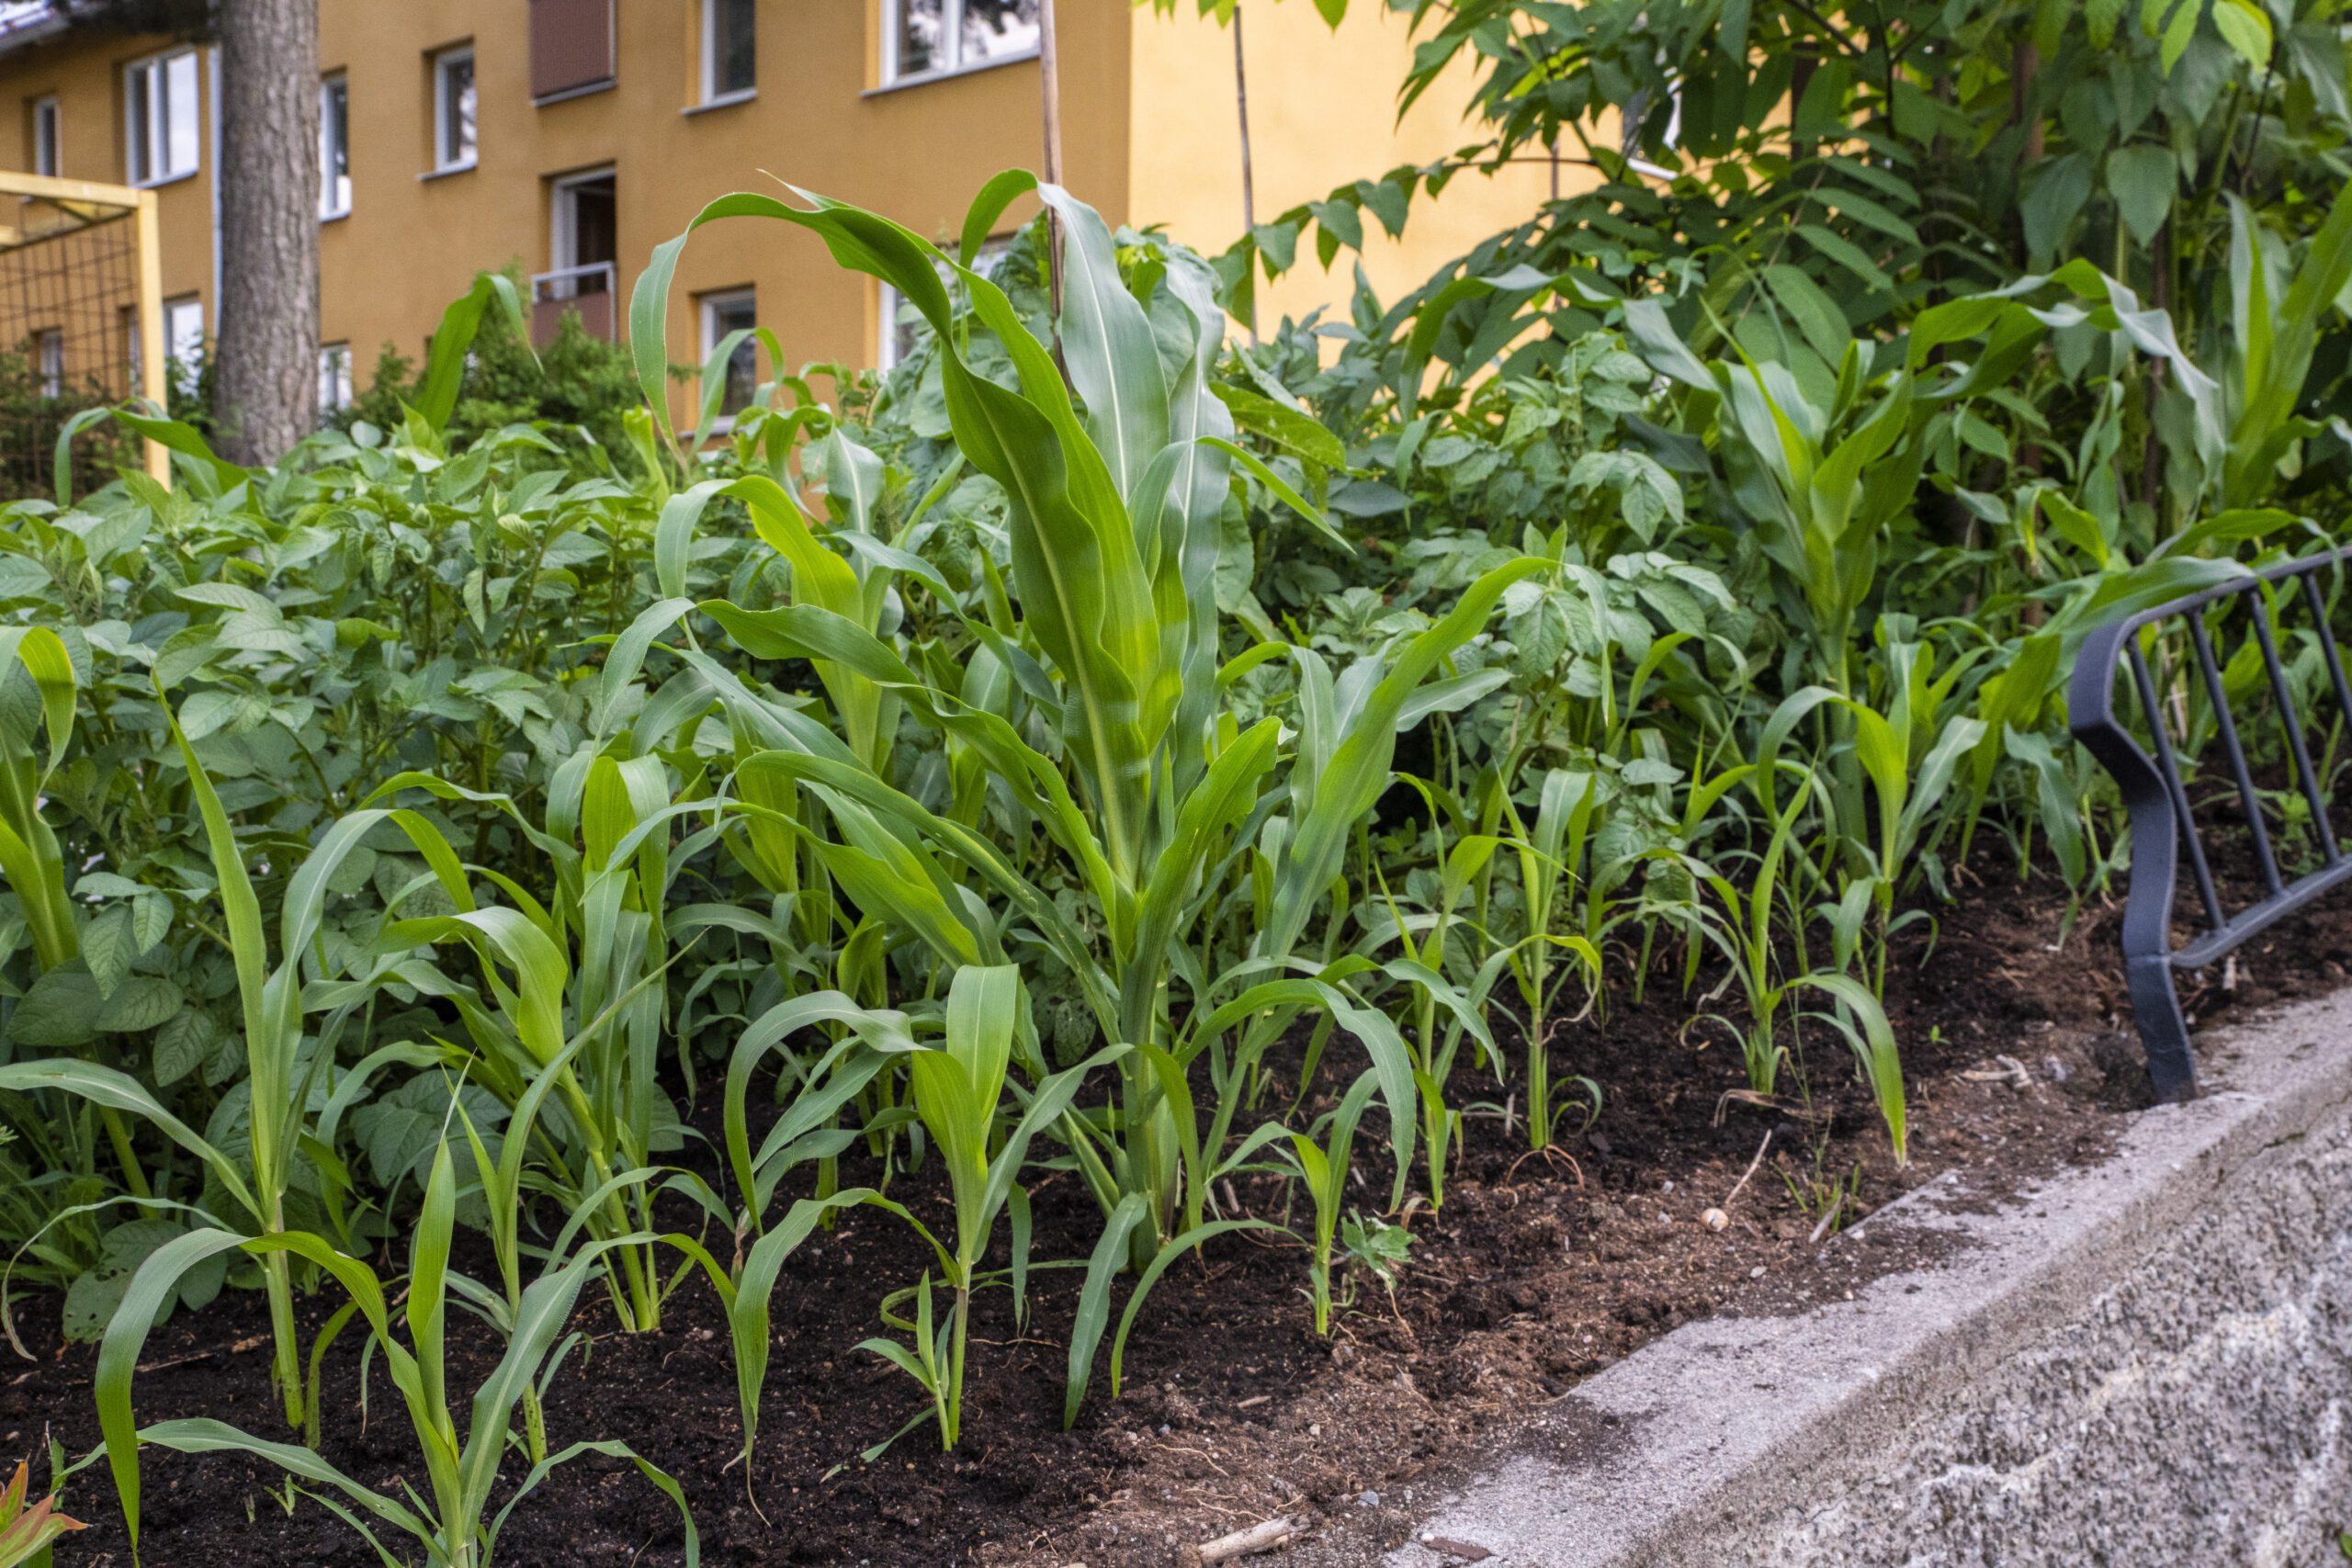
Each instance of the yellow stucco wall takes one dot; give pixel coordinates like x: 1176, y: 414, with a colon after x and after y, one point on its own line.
x: 87, y: 77
x: 1148, y: 104
x: 1322, y: 112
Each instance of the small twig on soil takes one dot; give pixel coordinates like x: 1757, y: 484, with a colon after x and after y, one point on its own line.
x: 1254, y: 1400
x: 1738, y: 1187
x: 1248, y: 1542
x: 1787, y: 1108
x: 1829, y: 1217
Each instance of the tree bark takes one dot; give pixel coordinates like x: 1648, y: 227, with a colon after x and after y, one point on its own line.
x: 265, y: 390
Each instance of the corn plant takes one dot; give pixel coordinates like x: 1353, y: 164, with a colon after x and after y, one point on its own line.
x: 30, y: 858
x: 584, y: 1001
x: 1323, y: 1169
x: 959, y: 1090
x: 281, y: 1067
x: 1549, y: 854
x: 451, y: 1519
x: 1909, y: 756
x: 1427, y: 939
x: 1149, y: 796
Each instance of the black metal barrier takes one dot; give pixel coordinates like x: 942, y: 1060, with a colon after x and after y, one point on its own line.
x: 2153, y: 791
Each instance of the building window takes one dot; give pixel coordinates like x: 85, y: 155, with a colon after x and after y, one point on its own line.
x: 583, y: 248
x: 334, y: 146
x: 571, y: 48
x: 44, y: 136
x: 733, y: 310
x: 334, y: 376
x: 134, y: 355
x: 938, y: 37
x: 183, y: 340
x: 49, y: 353
x: 902, y: 325
x: 159, y: 97
x: 454, y: 146
x: 729, y: 49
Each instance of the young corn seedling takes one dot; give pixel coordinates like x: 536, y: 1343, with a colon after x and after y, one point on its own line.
x: 1422, y: 938
x: 1549, y: 857
x: 958, y: 1087
x: 450, y: 1520
x: 1323, y: 1170
x: 27, y: 1533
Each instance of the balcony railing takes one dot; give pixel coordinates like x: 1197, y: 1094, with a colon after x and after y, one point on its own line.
x: 589, y: 289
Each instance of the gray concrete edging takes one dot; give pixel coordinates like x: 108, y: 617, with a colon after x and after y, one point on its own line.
x: 2144, y: 1360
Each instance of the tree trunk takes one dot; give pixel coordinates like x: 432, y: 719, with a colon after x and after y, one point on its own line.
x: 266, y: 392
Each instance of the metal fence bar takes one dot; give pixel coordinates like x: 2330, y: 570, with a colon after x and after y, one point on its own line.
x: 2294, y: 728
x: 2206, y: 892
x: 2156, y: 796
x: 2226, y: 725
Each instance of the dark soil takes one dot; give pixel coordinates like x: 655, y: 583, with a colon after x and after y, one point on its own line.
x: 1538, y: 1271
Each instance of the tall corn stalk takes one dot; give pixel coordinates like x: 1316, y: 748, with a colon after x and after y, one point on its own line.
x: 1161, y: 808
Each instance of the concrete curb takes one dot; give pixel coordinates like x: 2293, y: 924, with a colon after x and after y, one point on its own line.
x: 2145, y: 1361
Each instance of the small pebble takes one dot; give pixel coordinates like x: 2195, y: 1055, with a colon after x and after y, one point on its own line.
x: 1757, y: 1272
x: 1368, y: 1500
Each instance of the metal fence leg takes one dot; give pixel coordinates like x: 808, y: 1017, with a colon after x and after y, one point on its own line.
x: 2164, y: 1031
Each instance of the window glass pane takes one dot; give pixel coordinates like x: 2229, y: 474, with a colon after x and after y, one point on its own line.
x: 458, y: 109
x: 922, y: 36
x: 734, y: 314
x: 334, y: 146
x: 178, y: 115
x: 733, y: 46
x: 141, y: 83
x: 45, y: 136
x: 334, y: 376
x: 997, y: 29
x: 51, y: 343
x: 184, y: 339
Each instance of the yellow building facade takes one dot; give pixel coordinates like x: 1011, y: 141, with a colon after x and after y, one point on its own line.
x: 568, y: 138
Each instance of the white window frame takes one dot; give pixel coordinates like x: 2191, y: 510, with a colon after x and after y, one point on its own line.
x: 334, y: 378
x: 49, y: 360
x: 563, y: 217
x: 706, y: 310
x: 951, y: 30
x: 334, y: 203
x: 992, y: 252
x: 444, y: 163
x: 178, y: 340
x: 49, y: 157
x: 708, y: 94
x: 148, y: 158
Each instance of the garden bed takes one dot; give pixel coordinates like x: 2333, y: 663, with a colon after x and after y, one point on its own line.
x: 1539, y: 1270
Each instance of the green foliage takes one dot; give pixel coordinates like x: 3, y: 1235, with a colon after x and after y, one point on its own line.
x: 578, y: 382
x: 1100, y: 747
